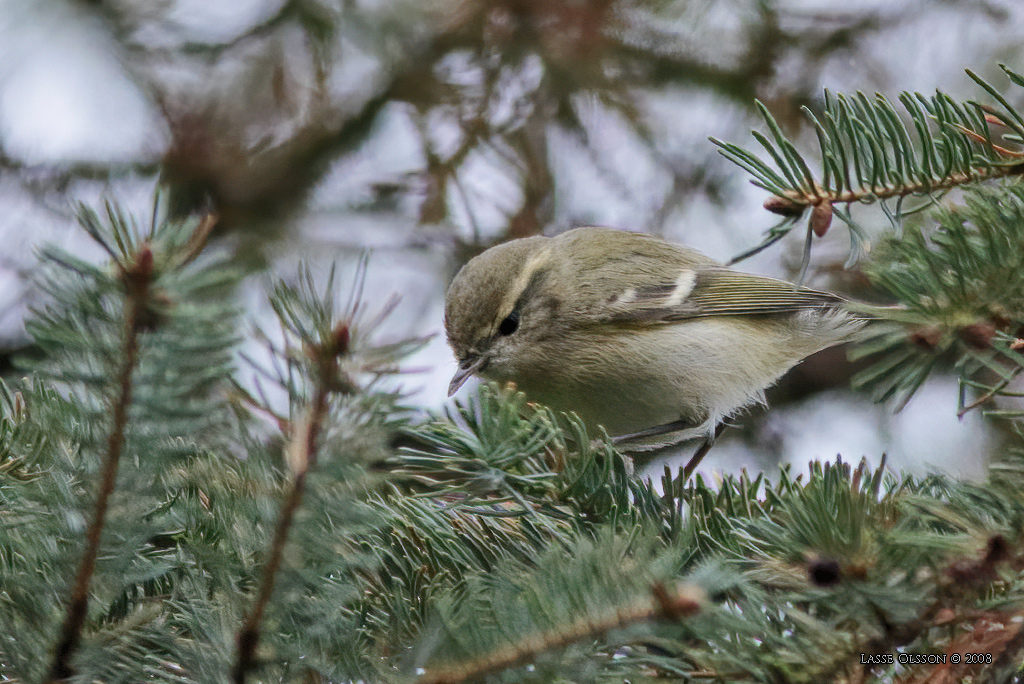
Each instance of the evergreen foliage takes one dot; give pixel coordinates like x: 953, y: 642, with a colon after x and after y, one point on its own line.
x: 869, y: 154
x: 961, y: 294
x: 160, y: 522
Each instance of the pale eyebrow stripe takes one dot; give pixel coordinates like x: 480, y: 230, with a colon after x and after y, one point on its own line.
x: 684, y: 285
x: 534, y: 264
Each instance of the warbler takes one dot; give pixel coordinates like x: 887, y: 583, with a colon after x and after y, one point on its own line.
x: 646, y: 338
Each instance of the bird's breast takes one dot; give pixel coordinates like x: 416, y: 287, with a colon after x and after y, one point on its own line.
x: 699, y: 370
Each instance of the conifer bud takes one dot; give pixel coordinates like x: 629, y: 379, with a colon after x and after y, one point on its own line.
x: 143, y: 261
x: 821, y: 218
x: 340, y: 338
x: 784, y: 206
x: 978, y: 335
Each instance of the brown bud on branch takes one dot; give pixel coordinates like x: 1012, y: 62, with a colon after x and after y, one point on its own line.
x: 821, y: 218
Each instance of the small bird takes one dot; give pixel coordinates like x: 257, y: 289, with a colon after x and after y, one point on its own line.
x: 644, y: 337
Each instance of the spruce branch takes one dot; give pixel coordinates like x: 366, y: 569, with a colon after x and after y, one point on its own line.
x: 136, y: 270
x: 598, y: 596
x: 323, y: 357
x: 496, y: 448
x: 844, y: 562
x: 428, y: 546
x: 136, y: 277
x: 869, y: 154
x: 482, y: 448
x: 961, y: 302
x: 117, y: 379
x: 303, y: 457
x: 666, y: 604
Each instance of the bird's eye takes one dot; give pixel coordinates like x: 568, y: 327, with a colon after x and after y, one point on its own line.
x: 510, y: 324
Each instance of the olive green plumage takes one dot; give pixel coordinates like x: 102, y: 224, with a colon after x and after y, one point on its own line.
x: 630, y: 331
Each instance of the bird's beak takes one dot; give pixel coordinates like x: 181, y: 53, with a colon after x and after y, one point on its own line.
x: 468, y: 366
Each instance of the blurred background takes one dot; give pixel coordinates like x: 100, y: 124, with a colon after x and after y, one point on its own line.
x: 428, y: 130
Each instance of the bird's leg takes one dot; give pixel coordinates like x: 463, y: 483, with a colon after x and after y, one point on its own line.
x: 701, y: 452
x: 656, y: 431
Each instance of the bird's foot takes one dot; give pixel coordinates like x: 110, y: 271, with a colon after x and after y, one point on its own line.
x: 656, y: 431
x: 702, y: 451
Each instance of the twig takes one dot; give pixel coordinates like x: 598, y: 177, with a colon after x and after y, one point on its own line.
x: 136, y: 278
x: 302, y: 457
x: 798, y: 200
x: 683, y: 602
x: 990, y: 393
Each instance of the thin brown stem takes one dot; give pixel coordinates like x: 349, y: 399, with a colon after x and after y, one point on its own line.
x: 795, y: 200
x: 137, y: 281
x: 302, y: 458
x: 990, y: 393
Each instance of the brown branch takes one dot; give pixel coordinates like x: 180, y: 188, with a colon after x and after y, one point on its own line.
x: 993, y: 633
x: 301, y: 457
x: 136, y: 279
x: 683, y: 602
x: 795, y: 201
x: 964, y: 580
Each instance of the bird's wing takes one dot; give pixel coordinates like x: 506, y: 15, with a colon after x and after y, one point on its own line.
x: 710, y: 291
